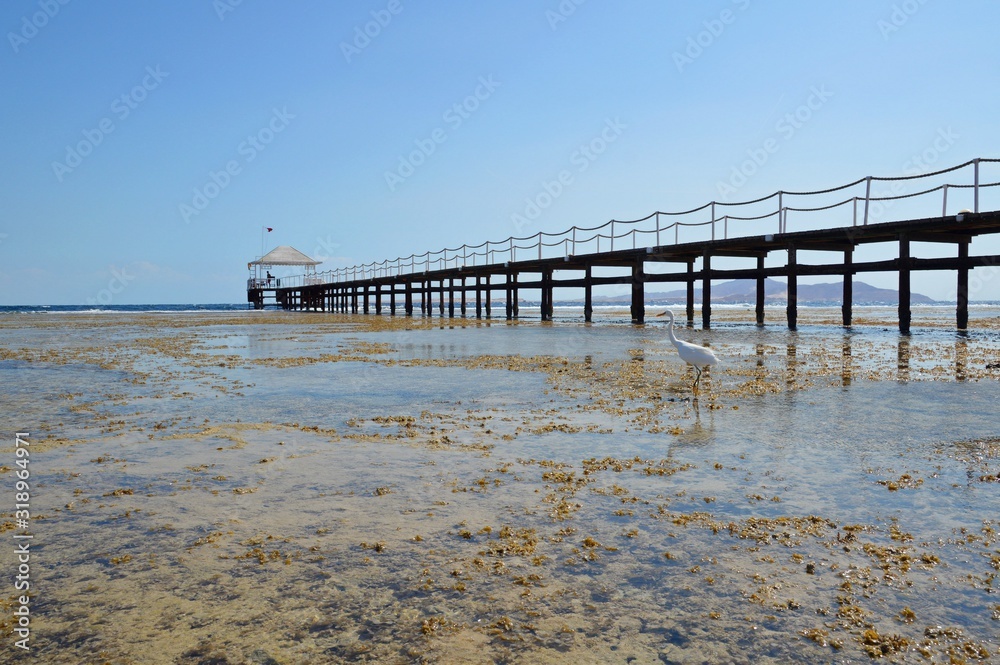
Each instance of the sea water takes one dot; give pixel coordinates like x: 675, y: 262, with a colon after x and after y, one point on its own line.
x: 238, y: 486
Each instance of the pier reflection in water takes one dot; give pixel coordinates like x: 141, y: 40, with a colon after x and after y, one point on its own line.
x: 903, y: 359
x: 961, y: 355
x: 846, y: 361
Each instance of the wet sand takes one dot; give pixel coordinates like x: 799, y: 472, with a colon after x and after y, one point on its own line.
x: 276, y: 487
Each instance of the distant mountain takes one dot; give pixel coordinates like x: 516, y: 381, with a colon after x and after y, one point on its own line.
x: 745, y: 291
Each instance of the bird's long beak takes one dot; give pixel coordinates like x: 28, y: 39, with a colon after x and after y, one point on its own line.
x: 661, y: 314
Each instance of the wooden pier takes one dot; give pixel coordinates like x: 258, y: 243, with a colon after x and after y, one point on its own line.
x: 470, y: 289
x: 410, y: 286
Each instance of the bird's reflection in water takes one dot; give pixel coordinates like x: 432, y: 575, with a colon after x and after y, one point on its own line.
x: 697, y: 434
x: 903, y: 360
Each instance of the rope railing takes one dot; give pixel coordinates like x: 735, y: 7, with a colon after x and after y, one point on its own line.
x: 568, y: 242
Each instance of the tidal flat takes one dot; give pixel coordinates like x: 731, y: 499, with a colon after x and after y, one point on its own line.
x: 278, y: 487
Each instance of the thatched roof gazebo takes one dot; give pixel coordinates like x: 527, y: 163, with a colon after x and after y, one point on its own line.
x: 285, y: 255
x: 261, y: 278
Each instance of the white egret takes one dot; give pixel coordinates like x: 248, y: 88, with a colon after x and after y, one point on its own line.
x: 698, y: 357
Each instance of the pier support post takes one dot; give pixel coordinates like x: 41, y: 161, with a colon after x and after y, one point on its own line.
x: 461, y: 281
x: 792, y: 309
x: 510, y: 291
x: 706, y: 290
x: 366, y: 299
x: 761, y: 293
x: 904, y: 283
x: 516, y: 304
x: 638, y: 293
x: 962, y: 292
x: 489, y: 298
x: 689, y: 310
x: 408, y: 298
x: 392, y: 298
x: 378, y: 298
x: 542, y: 296
x: 354, y: 299
x: 848, y: 306
x: 547, y: 294
x: 451, y: 297
x: 441, y: 298
x: 479, y: 297
x: 588, y: 295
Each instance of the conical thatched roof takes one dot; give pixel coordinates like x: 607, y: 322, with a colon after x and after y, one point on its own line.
x: 285, y: 255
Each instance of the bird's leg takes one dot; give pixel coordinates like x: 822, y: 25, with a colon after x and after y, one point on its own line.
x: 697, y: 379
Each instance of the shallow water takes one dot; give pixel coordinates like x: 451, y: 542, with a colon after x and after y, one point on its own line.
x: 298, y: 488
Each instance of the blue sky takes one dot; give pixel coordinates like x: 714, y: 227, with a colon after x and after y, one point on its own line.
x: 147, y: 144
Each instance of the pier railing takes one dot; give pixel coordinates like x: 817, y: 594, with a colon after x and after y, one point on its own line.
x: 866, y: 200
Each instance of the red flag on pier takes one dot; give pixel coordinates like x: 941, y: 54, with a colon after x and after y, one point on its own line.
x: 269, y: 229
